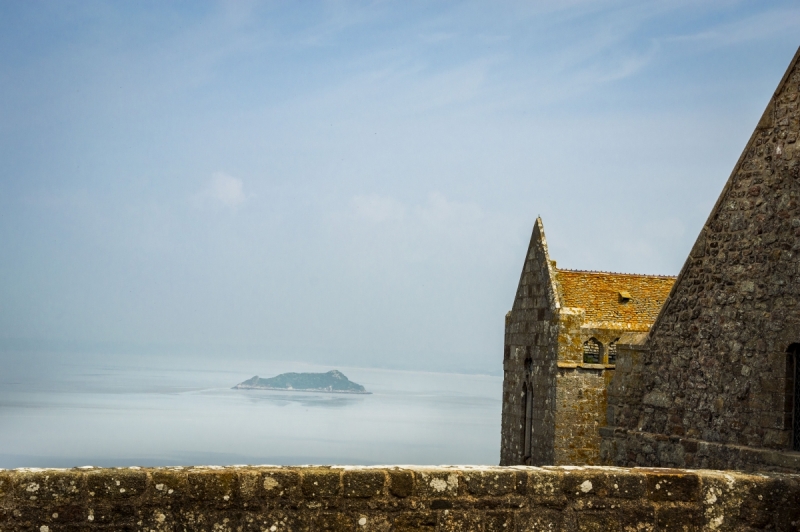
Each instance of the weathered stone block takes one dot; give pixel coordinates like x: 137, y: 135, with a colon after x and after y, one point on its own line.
x: 436, y: 484
x: 540, y: 519
x: 415, y: 522
x: 280, y: 483
x: 250, y: 485
x: 68, y: 514
x: 672, y: 486
x: 616, y: 517
x: 459, y: 521
x: 333, y: 522
x: 363, y: 483
x: 165, y: 485
x: 321, y: 482
x: 679, y: 517
x: 775, y: 498
x: 626, y: 485
x: 579, y: 483
x: 374, y: 522
x: 216, y: 487
x: 118, y: 516
x: 115, y: 484
x: 281, y: 520
x: 47, y: 486
x: 489, y: 482
x: 600, y: 483
x: 441, y: 504
x: 401, y: 483
x: 546, y: 488
x: 7, y: 480
x: 498, y: 522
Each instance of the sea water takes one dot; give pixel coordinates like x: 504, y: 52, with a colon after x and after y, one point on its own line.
x: 122, y: 411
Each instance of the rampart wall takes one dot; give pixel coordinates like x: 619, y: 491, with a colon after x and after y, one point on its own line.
x: 402, y: 499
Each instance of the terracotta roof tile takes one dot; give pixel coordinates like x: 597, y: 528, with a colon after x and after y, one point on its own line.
x: 599, y: 293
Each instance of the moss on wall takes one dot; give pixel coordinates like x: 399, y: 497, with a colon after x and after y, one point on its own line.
x: 395, y: 499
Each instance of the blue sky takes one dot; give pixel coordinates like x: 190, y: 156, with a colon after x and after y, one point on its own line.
x: 353, y: 182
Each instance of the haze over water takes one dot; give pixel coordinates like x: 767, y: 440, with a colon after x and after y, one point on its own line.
x: 191, y: 192
x: 153, y: 412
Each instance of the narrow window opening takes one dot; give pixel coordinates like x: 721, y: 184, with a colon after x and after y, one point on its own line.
x: 525, y: 436
x: 592, y: 351
x: 612, y: 351
x: 792, y: 400
x: 528, y: 424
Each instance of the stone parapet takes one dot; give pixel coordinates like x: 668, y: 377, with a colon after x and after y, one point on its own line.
x: 624, y: 447
x: 402, y: 499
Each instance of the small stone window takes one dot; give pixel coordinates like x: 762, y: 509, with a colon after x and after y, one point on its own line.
x: 527, y: 423
x: 624, y: 296
x: 592, y: 351
x: 792, y: 398
x: 612, y: 351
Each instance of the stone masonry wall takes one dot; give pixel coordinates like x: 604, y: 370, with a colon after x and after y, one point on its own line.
x: 626, y: 390
x: 340, y: 499
x: 623, y: 446
x: 580, y: 412
x: 531, y: 333
x: 713, y: 373
x: 580, y: 392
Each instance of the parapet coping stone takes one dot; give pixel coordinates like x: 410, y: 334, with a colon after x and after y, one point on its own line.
x: 770, y: 457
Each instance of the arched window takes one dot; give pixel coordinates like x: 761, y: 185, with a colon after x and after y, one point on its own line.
x: 592, y: 351
x: 527, y: 422
x: 792, y: 402
x: 612, y: 351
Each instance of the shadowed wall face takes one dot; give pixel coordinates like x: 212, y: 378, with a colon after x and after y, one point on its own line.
x: 715, y: 369
x: 529, y: 362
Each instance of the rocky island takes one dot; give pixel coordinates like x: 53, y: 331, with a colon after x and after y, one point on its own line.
x: 333, y: 381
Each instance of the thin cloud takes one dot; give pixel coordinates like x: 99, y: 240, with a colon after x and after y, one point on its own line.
x: 377, y: 209
x: 439, y: 209
x: 222, y: 190
x: 759, y: 26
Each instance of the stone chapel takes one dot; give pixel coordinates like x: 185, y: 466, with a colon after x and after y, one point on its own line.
x: 561, y: 351
x: 697, y: 371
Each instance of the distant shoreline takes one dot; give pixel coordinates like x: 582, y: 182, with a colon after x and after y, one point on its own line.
x: 307, y: 390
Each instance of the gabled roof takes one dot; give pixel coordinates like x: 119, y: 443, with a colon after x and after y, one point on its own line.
x: 614, y: 300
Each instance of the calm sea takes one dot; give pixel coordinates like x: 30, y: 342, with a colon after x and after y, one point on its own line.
x: 149, y: 412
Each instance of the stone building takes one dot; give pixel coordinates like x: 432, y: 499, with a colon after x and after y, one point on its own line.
x: 560, y: 352
x: 716, y: 383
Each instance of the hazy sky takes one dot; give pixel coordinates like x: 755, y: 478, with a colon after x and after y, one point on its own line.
x: 353, y: 182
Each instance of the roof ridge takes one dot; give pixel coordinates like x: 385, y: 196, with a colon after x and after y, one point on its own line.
x: 618, y: 273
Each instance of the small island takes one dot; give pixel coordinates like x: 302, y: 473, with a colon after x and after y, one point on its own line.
x: 331, y: 382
